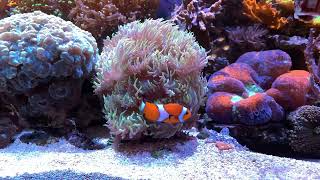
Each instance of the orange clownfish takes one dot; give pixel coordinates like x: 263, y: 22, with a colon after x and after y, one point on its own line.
x: 171, y: 113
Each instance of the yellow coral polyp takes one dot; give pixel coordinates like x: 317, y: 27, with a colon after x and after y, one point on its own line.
x: 315, y: 21
x: 263, y: 12
x: 12, y: 3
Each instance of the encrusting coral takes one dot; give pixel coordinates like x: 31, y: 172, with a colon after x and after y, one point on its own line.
x: 304, y: 137
x: 263, y: 12
x: 151, y: 61
x: 44, y: 61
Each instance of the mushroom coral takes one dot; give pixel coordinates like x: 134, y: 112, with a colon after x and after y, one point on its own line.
x: 304, y: 137
x: 44, y: 61
x: 151, y: 61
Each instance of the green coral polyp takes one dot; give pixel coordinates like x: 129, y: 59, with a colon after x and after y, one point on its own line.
x: 151, y: 61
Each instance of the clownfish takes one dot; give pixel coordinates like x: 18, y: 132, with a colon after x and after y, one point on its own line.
x: 171, y: 113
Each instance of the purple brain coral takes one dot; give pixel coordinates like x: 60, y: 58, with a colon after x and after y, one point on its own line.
x: 236, y: 91
x: 43, y: 63
x: 151, y: 61
x: 268, y: 64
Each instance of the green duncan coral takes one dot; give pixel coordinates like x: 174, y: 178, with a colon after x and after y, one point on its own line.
x: 153, y: 61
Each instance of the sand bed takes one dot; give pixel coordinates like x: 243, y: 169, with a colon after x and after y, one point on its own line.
x: 193, y: 159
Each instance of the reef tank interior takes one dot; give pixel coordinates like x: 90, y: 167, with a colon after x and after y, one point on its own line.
x: 159, y: 89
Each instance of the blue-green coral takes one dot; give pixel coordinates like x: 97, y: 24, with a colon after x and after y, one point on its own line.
x: 43, y: 63
x: 152, y: 61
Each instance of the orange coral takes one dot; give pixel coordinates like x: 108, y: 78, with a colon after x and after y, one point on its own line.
x: 12, y: 3
x: 263, y: 12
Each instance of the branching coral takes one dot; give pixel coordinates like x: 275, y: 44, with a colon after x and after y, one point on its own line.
x: 102, y: 18
x: 198, y: 16
x: 264, y: 13
x: 311, y: 54
x: 59, y: 8
x: 250, y: 37
x: 43, y: 63
x: 151, y: 61
x: 304, y: 137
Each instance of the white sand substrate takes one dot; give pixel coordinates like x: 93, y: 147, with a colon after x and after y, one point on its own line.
x: 194, y: 159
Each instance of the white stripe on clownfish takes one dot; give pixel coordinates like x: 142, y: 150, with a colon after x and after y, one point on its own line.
x: 183, y: 112
x: 163, y: 113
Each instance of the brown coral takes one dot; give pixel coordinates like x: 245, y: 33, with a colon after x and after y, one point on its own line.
x: 59, y: 8
x: 304, y: 137
x: 103, y: 17
x: 263, y: 12
x: 311, y: 53
x: 248, y: 37
x: 3, y: 8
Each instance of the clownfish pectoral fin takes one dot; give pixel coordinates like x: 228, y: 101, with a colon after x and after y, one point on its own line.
x: 142, y: 106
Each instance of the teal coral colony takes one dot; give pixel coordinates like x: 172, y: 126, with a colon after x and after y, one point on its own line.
x: 151, y: 70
